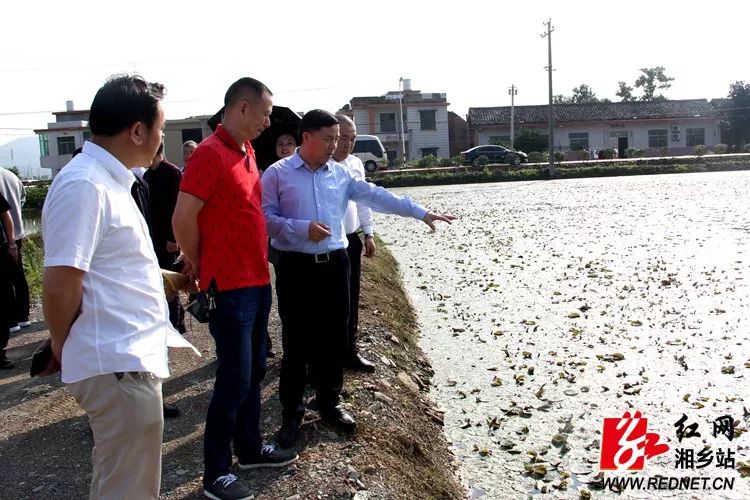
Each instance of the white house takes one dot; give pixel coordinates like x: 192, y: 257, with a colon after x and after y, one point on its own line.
x: 676, y: 125
x: 61, y: 137
x: 425, y: 122
x: 71, y: 128
x: 177, y: 132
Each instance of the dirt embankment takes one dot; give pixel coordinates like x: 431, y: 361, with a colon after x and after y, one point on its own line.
x: 398, y: 451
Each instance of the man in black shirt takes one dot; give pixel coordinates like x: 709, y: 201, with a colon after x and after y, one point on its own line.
x: 163, y: 180
x: 142, y: 196
x: 8, y: 259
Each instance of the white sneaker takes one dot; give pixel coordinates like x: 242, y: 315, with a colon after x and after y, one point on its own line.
x: 14, y: 329
x: 24, y: 324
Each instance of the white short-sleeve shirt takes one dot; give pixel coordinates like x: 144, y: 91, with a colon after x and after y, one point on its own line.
x: 357, y: 215
x: 91, y: 222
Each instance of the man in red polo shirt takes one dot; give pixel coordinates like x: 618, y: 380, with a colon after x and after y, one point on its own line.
x: 219, y: 224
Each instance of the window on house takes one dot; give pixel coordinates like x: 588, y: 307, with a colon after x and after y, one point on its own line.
x: 43, y: 145
x: 427, y: 119
x: 657, y: 138
x: 387, y: 122
x: 695, y: 136
x: 578, y: 140
x: 66, y: 145
x: 429, y: 152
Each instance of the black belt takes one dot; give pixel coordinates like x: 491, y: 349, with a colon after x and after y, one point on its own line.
x: 317, y: 258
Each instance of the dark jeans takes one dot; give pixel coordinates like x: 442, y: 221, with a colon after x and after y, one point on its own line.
x: 314, y: 308
x: 238, y: 326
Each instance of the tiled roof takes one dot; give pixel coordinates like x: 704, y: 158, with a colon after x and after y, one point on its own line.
x: 595, y: 112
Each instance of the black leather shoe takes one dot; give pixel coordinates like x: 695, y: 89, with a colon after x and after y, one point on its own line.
x: 171, y: 411
x: 339, y: 418
x: 289, y: 432
x: 360, y: 364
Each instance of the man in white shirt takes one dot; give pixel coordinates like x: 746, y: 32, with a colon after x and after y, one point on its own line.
x: 357, y: 217
x: 103, y: 293
x: 188, y: 148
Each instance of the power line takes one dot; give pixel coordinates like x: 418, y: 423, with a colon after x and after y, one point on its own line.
x: 29, y: 112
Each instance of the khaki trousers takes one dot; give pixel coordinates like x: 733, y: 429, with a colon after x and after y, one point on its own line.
x: 126, y: 417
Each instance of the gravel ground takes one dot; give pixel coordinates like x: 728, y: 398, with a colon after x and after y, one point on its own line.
x: 398, y: 451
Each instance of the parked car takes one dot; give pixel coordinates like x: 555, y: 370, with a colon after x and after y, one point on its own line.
x: 370, y: 150
x: 495, y: 154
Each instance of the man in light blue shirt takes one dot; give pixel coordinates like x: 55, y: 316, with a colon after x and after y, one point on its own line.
x: 305, y: 197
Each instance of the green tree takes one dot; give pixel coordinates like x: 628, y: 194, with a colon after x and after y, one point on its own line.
x: 497, y: 141
x: 650, y: 80
x: 581, y: 94
x: 625, y: 92
x: 737, y: 114
x: 528, y: 140
x: 15, y: 171
x: 35, y: 196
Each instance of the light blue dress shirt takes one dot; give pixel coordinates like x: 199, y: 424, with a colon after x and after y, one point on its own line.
x: 294, y: 195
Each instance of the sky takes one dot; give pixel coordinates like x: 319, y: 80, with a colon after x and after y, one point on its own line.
x: 321, y: 54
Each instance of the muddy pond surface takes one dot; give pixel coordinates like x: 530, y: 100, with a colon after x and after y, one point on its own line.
x: 551, y: 305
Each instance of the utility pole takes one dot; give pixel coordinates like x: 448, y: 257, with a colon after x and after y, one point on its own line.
x: 512, y: 90
x: 548, y: 34
x: 401, y: 117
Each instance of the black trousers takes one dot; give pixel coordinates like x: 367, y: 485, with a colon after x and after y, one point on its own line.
x: 7, y: 313
x: 313, y: 301
x: 354, y: 250
x: 20, y: 288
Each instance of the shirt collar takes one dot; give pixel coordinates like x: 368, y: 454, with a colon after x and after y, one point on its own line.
x: 116, y: 169
x: 298, y: 162
x: 345, y: 161
x: 227, y: 139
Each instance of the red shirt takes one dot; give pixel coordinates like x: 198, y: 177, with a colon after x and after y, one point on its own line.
x: 233, y: 239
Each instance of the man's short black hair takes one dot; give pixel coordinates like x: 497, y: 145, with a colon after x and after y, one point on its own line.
x: 123, y: 101
x: 242, y: 87
x: 317, y: 119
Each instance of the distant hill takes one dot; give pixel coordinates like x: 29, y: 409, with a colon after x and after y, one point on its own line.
x: 25, y: 155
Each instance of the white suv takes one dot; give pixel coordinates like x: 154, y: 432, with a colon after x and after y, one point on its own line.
x: 370, y: 150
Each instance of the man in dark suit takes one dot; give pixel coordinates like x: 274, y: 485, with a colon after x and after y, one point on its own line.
x: 163, y: 180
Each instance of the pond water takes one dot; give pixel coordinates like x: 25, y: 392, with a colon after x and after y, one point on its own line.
x: 32, y: 221
x: 549, y: 306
